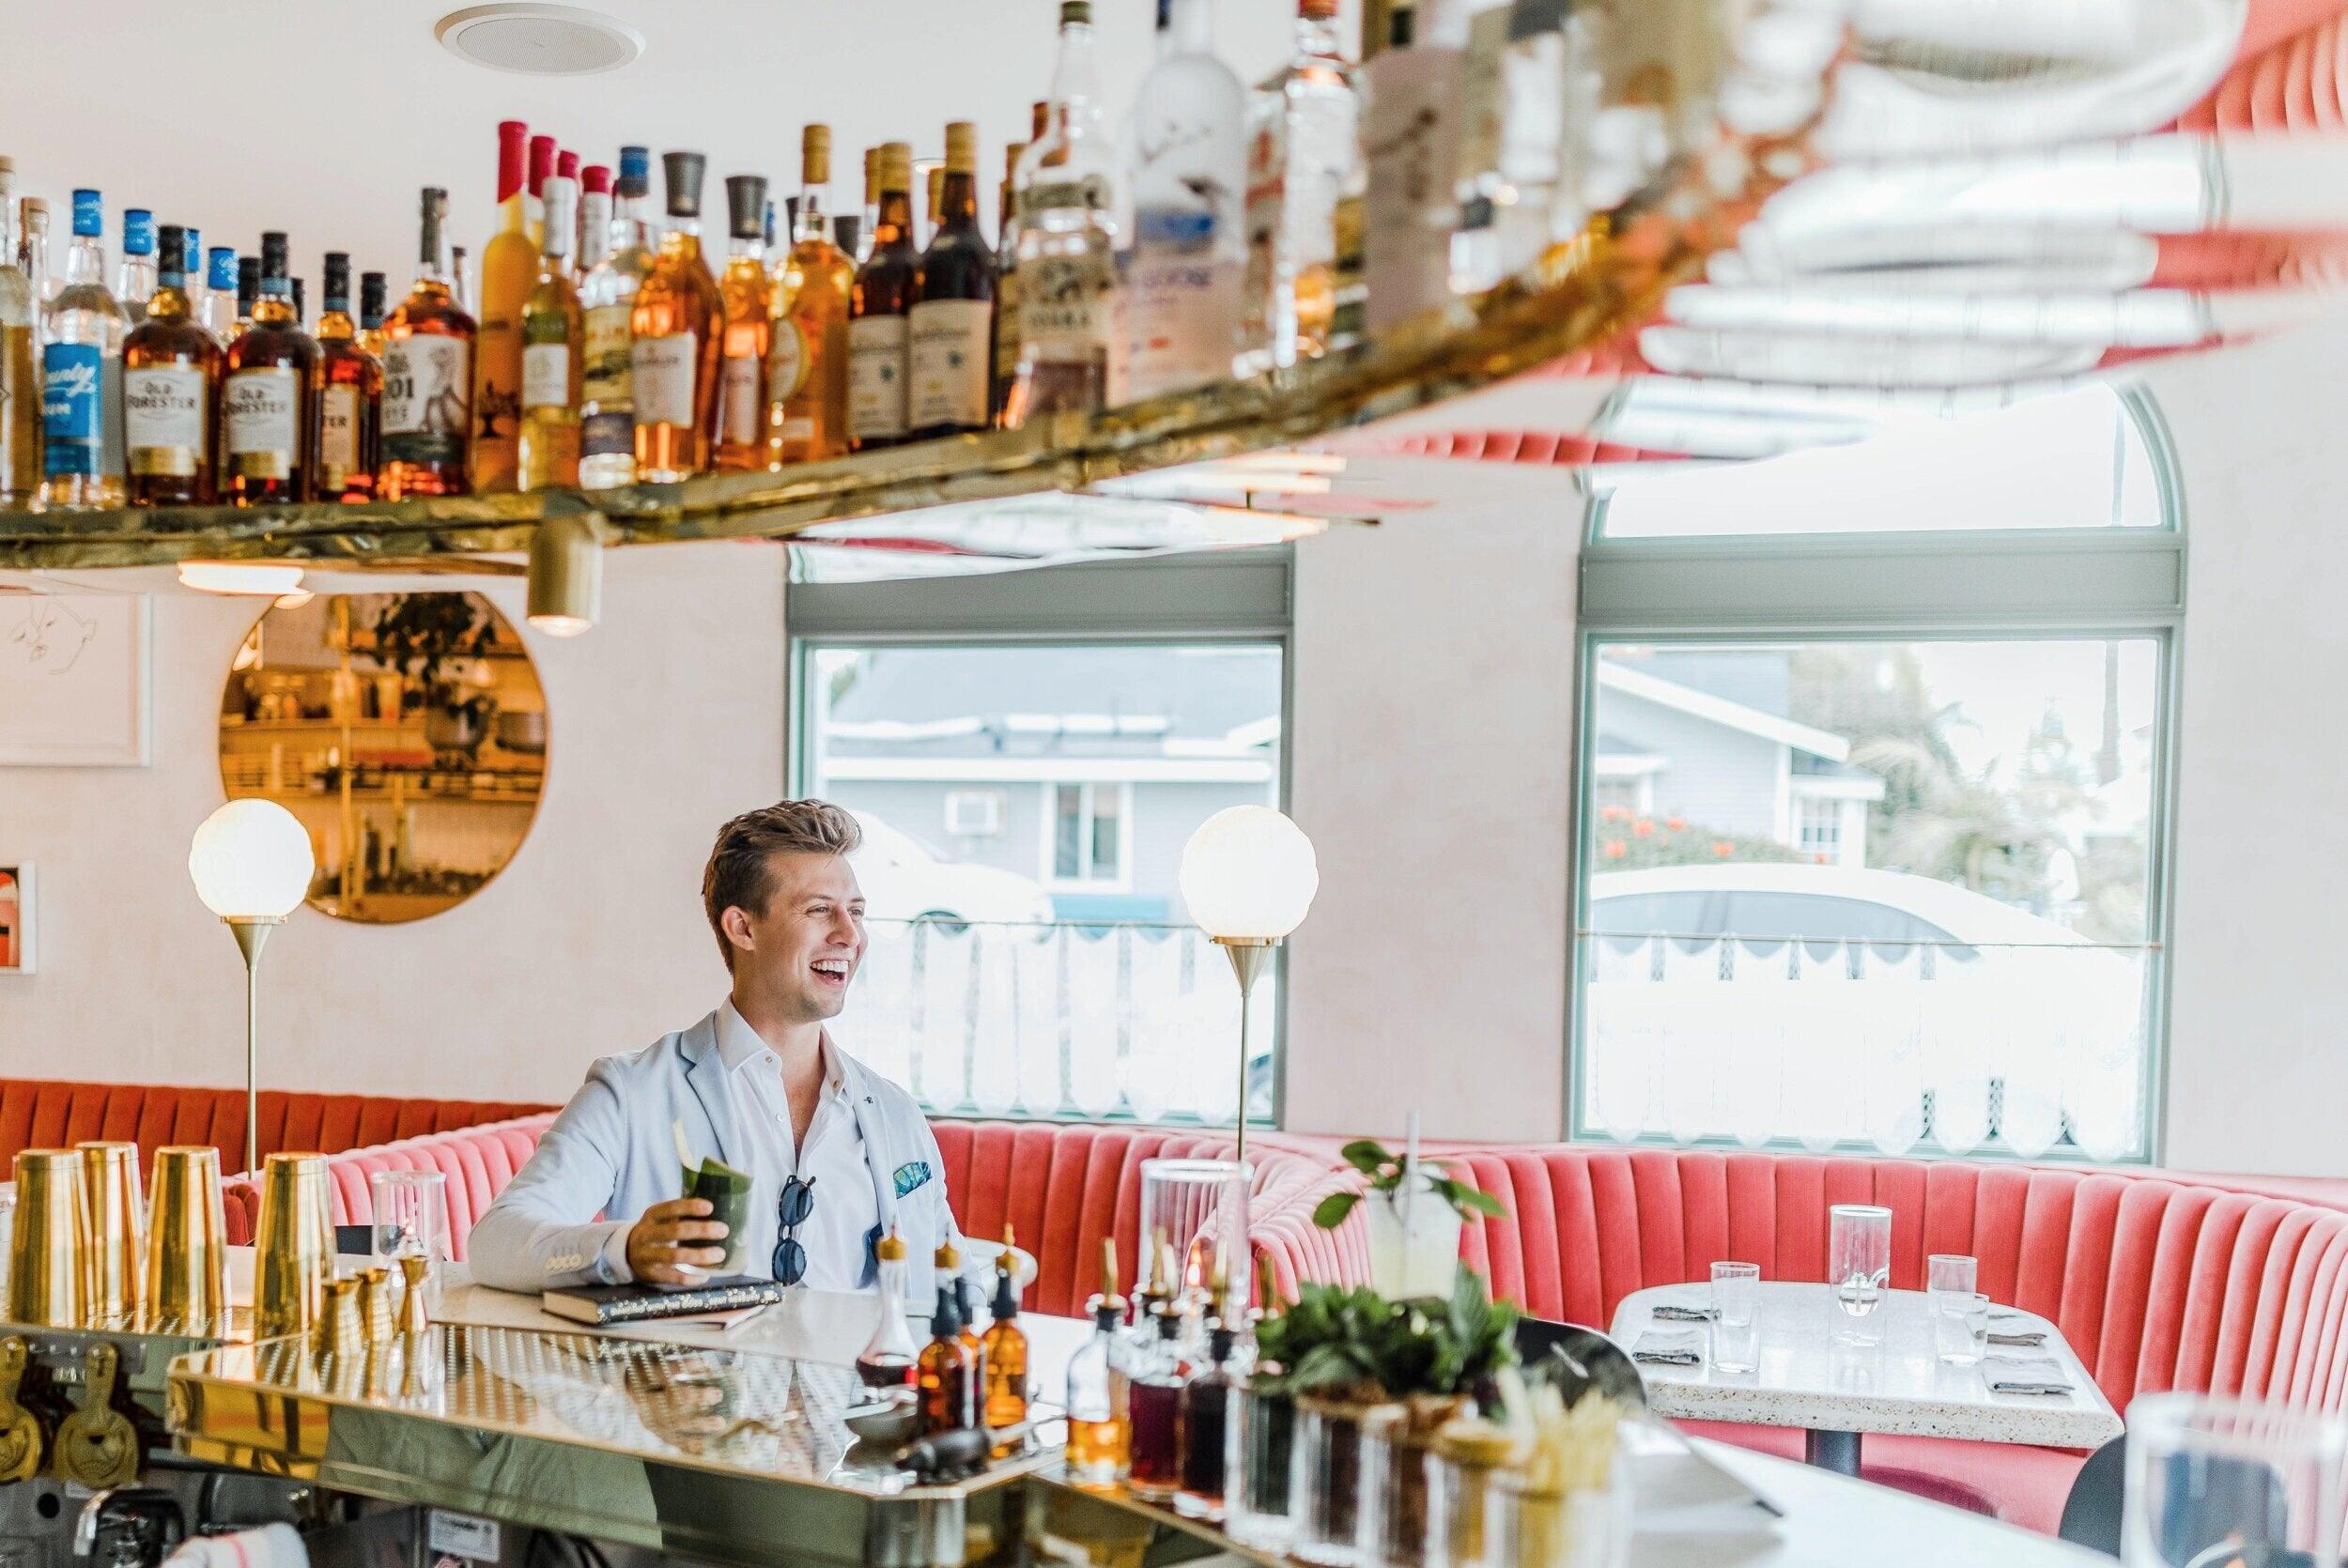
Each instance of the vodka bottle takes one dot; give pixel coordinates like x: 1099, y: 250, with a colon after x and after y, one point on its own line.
x: 134, y: 280
x: 1184, y: 304
x: 607, y: 419
x: 220, y: 293
x: 1071, y: 344
x: 1412, y: 135
x: 80, y: 370
x: 1303, y: 161
x: 19, y: 359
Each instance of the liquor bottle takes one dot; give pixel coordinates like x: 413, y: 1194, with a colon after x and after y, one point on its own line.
x: 1006, y: 1346
x: 870, y: 214
x: 932, y: 205
x: 220, y: 293
x: 745, y: 331
x: 887, y: 1361
x: 371, y: 302
x: 170, y: 373
x: 134, y: 280
x: 1411, y: 130
x: 1003, y: 350
x: 1069, y: 340
x: 33, y: 252
x: 460, y: 278
x: 269, y: 434
x: 807, y: 364
x: 1099, y: 1387
x: 80, y: 370
x: 1155, y: 1467
x: 672, y: 351
x: 194, y: 288
x: 1205, y: 1418
x: 427, y: 374
x: 508, y: 269
x: 248, y: 293
x: 1304, y: 163
x: 19, y: 356
x: 607, y: 429
x: 534, y: 210
x: 877, y: 307
x: 1182, y: 282
x: 594, y: 217
x: 849, y: 233
x: 553, y: 347
x: 951, y: 326
x: 943, y: 1372
x: 966, y: 1308
x: 351, y: 393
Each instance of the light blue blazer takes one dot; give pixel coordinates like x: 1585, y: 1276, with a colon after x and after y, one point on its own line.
x: 612, y: 1151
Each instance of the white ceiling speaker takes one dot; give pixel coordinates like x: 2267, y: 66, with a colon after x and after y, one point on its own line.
x: 539, y: 40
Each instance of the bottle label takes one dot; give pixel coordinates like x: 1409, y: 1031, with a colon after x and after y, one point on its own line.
x: 547, y: 376
x: 786, y: 360
x: 70, y: 406
x: 741, y: 401
x: 163, y: 418
x: 662, y: 372
x: 1183, y: 315
x: 1067, y: 306
x: 608, y: 434
x: 876, y: 377
x: 261, y: 411
x: 950, y: 363
x: 338, y: 436
x: 604, y: 370
x: 428, y: 399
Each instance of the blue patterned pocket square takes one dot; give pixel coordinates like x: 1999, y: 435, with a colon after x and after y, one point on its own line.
x: 912, y: 1174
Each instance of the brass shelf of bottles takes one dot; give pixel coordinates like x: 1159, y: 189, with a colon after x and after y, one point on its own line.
x: 1591, y: 292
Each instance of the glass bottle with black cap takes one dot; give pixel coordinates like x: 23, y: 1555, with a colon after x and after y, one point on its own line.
x: 269, y: 434
x: 170, y: 371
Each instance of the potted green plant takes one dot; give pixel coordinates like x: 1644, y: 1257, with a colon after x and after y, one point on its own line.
x: 1416, y: 1212
x: 428, y: 638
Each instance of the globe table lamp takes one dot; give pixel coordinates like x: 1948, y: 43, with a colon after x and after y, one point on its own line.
x: 251, y: 862
x: 1248, y: 875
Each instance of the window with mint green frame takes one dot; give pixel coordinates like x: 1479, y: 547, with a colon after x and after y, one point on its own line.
x: 1015, y: 970
x: 1983, y: 969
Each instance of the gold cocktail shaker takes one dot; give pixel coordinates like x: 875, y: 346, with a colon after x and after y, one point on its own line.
x: 186, y: 1245
x: 49, y: 1251
x: 293, y: 1248
x: 118, y: 1211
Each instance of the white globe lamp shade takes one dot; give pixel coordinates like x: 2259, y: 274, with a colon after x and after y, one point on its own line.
x: 1248, y: 875
x: 250, y: 861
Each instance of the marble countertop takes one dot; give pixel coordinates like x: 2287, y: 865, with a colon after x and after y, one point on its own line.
x: 1807, y: 1380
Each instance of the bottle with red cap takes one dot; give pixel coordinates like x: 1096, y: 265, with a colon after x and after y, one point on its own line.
x: 509, y: 265
x: 541, y: 151
x: 594, y: 216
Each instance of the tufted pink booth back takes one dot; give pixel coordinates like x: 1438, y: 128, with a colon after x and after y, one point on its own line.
x: 477, y: 1160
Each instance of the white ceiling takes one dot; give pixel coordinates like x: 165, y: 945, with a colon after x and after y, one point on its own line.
x: 322, y: 117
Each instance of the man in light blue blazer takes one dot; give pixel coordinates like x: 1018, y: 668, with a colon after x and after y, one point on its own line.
x: 837, y: 1153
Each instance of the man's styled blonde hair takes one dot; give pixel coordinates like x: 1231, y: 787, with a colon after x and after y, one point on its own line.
x: 740, y: 875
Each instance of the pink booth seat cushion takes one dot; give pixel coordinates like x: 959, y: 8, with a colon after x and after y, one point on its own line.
x: 2158, y: 1282
x: 1063, y: 1187
x: 478, y: 1162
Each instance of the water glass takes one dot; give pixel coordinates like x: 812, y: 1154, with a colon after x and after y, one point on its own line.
x: 1858, y: 1266
x: 1960, y: 1326
x: 2216, y: 1479
x: 412, y: 1221
x: 1736, y: 1316
x: 1952, y: 1272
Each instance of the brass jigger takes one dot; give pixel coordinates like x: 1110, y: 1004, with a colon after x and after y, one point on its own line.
x: 187, y: 1248
x: 341, y: 1328
x: 293, y: 1246
x: 414, y: 1272
x: 49, y: 1251
x: 375, y: 1303
x: 111, y: 1197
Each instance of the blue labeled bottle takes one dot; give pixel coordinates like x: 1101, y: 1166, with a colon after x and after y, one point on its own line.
x: 81, y: 374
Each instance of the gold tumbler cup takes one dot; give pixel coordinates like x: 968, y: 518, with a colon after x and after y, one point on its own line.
x: 109, y: 1193
x: 49, y: 1252
x: 293, y: 1248
x: 187, y: 1242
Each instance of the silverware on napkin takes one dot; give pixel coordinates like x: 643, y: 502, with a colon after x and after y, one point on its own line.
x: 1668, y: 1313
x: 1998, y: 1387
x: 1668, y: 1358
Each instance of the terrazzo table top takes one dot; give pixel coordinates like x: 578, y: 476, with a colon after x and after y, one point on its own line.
x: 1806, y: 1380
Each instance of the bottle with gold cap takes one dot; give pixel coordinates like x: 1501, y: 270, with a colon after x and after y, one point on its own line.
x: 888, y: 1358
x: 878, y: 313
x: 1006, y: 1345
x: 1098, y: 1388
x: 869, y: 218
x: 807, y: 363
x: 950, y: 359
x: 949, y: 1389
x: 967, y: 1308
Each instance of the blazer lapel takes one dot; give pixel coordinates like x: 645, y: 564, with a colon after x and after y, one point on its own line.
x: 705, y: 1073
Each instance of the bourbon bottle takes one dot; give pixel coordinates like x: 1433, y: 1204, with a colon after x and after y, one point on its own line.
x: 170, y: 375
x: 268, y: 434
x: 877, y: 313
x: 427, y: 375
x: 673, y: 353
x: 806, y: 360
x: 350, y: 395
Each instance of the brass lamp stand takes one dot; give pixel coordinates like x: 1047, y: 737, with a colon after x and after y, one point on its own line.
x: 1248, y: 955
x: 251, y: 931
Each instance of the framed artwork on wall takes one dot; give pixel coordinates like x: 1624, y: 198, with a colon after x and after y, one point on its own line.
x: 74, y: 674
x: 16, y: 917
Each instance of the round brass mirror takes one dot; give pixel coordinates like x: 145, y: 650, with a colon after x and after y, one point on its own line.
x: 408, y: 731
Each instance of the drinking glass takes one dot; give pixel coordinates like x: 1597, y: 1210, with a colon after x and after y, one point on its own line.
x: 1859, y: 1264
x: 1256, y: 1442
x: 1736, y: 1316
x: 412, y: 1221
x: 1960, y: 1326
x: 1952, y: 1272
x: 2215, y: 1480
x: 1325, y: 1481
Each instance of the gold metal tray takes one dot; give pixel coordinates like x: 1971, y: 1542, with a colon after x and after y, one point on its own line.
x: 732, y: 1455
x: 1588, y: 295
